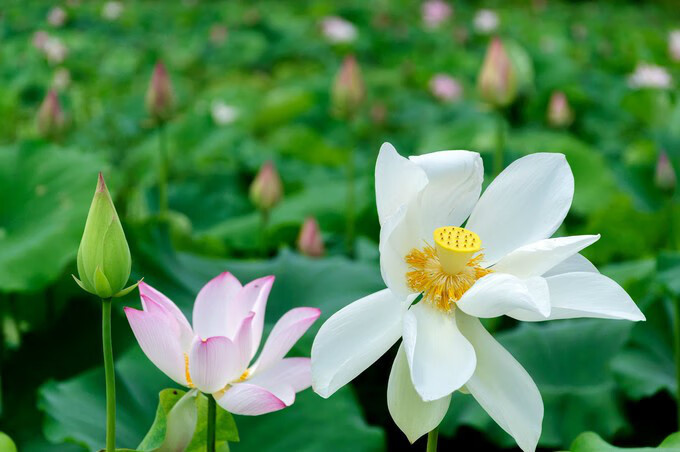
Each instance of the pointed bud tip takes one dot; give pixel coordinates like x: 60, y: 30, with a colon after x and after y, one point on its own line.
x: 101, y: 184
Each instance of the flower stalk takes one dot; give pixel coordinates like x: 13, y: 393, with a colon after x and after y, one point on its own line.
x: 110, y: 376
x: 432, y: 438
x: 162, y: 172
x: 212, y: 415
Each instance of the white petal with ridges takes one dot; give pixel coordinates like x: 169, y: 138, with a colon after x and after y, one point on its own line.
x: 440, y: 358
x: 408, y: 410
x: 251, y: 298
x: 399, y: 234
x: 212, y: 363
x: 502, y: 387
x: 537, y: 258
x: 212, y: 305
x: 527, y: 202
x: 354, y: 338
x: 573, y: 264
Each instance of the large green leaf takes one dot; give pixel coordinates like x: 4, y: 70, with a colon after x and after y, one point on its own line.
x: 591, y: 442
x: 569, y: 361
x: 46, y: 193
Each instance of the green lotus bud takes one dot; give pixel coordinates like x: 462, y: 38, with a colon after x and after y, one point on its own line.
x: 497, y: 81
x: 51, y: 120
x: 160, y: 98
x: 348, y: 90
x: 266, y: 190
x: 104, y: 256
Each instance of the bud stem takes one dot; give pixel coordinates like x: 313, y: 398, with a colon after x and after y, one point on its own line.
x: 432, y: 438
x: 499, y: 156
x: 110, y: 377
x: 349, y: 227
x: 212, y: 414
x: 264, y: 224
x: 162, y: 172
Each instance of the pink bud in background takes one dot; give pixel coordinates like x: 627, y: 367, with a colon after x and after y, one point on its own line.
x: 266, y: 190
x: 674, y: 45
x: 218, y: 34
x: 39, y: 39
x: 445, y: 88
x: 435, y: 12
x: 497, y: 82
x: 51, y: 119
x: 56, y: 17
x: 665, y: 177
x: 159, y: 96
x: 348, y: 89
x: 559, y: 111
x: 310, y: 242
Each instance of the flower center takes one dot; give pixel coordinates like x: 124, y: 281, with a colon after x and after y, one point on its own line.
x: 443, y: 273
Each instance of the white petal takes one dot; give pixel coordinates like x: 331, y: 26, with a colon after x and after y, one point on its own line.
x: 212, y: 363
x: 498, y: 294
x: 211, y: 308
x: 502, y: 387
x: 397, y: 181
x: 454, y: 184
x: 574, y: 295
x: 440, y: 358
x: 399, y: 234
x: 290, y: 327
x: 526, y: 203
x: 411, y: 414
x: 575, y: 263
x: 180, y: 423
x: 158, y: 334
x: 354, y: 338
x: 285, y: 378
x: 243, y: 340
x: 537, y: 258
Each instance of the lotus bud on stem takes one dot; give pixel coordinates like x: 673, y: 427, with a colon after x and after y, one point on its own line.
x: 560, y: 113
x: 266, y: 191
x: 51, y: 120
x: 310, y: 242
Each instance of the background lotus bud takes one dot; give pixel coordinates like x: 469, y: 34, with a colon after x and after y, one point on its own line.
x: 664, y: 177
x: 159, y: 96
x: 497, y: 81
x: 310, y: 242
x: 435, y: 12
x: 559, y: 111
x: 674, y: 45
x: 56, y: 17
x: 338, y: 30
x: 103, y: 257
x: 51, y: 119
x: 348, y: 89
x: 486, y: 21
x: 112, y: 10
x: 445, y: 88
x: 266, y: 190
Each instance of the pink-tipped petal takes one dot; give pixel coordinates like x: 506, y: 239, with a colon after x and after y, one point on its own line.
x: 212, y: 363
x: 146, y: 291
x: 285, y: 334
x: 243, y: 340
x: 252, y: 298
x: 285, y: 378
x: 212, y: 305
x: 158, y: 335
x: 180, y: 325
x: 249, y: 400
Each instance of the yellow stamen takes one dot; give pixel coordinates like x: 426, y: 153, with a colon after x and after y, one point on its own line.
x: 445, y: 272
x: 186, y: 371
x: 244, y: 376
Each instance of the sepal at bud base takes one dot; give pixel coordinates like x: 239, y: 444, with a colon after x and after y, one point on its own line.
x: 104, y: 261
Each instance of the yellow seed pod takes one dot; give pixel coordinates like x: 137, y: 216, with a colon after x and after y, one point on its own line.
x: 455, y: 247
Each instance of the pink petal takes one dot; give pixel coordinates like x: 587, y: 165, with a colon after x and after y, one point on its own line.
x: 146, y: 291
x: 159, y: 337
x: 243, y: 339
x: 252, y: 298
x: 285, y: 334
x: 184, y: 332
x: 212, y: 363
x: 249, y: 400
x: 212, y: 305
x: 285, y: 378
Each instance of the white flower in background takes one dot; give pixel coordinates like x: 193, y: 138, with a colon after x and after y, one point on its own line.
x: 338, y: 30
x: 674, y: 45
x: 222, y: 113
x: 435, y: 12
x: 502, y: 263
x: 39, y: 39
x: 56, y: 17
x: 486, y: 21
x: 55, y: 51
x: 649, y: 76
x: 61, y: 79
x: 445, y: 88
x: 112, y: 10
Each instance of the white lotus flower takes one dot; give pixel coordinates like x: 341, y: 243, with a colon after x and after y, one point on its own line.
x: 650, y: 76
x: 338, y: 30
x: 502, y: 263
x: 486, y: 21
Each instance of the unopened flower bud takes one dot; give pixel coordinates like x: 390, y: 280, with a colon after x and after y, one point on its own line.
x: 266, y: 190
x: 51, y: 119
x: 435, y: 12
x: 559, y: 111
x: 674, y: 45
x: 159, y: 96
x: 664, y: 177
x: 348, y: 89
x: 103, y: 257
x: 445, y: 88
x: 310, y: 242
x: 497, y: 81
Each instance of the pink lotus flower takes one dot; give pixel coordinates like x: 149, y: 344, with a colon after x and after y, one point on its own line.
x: 435, y: 12
x: 215, y: 356
x: 445, y: 88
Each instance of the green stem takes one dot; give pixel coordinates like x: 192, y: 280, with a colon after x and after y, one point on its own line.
x: 110, y: 377
x: 264, y: 224
x: 349, y: 227
x: 432, y: 438
x: 212, y: 414
x: 162, y: 172
x: 499, y: 155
